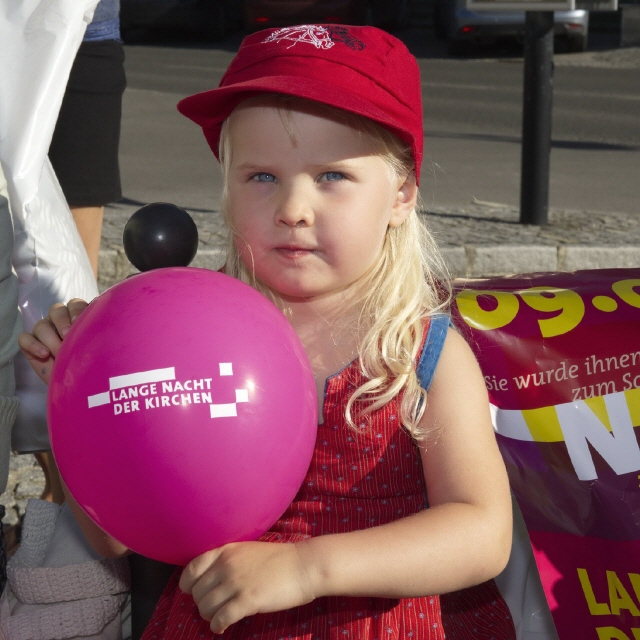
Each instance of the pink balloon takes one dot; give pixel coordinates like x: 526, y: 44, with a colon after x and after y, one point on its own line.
x: 182, y: 412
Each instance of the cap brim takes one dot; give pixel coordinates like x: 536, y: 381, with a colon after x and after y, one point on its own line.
x: 210, y: 108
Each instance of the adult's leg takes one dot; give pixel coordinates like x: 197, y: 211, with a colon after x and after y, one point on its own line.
x: 89, y: 223
x: 84, y: 148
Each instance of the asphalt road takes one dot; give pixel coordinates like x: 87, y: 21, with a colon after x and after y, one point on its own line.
x: 472, y: 126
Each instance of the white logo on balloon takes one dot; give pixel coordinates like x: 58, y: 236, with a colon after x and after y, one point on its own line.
x: 143, y: 387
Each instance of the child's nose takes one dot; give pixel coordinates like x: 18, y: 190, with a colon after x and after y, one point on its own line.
x: 294, y: 209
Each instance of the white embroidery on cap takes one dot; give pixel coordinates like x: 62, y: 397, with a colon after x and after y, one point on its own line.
x: 313, y: 34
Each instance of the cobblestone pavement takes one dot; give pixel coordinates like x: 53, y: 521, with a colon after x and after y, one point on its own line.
x: 623, y: 58
x: 480, y: 239
x: 26, y: 480
x: 480, y: 223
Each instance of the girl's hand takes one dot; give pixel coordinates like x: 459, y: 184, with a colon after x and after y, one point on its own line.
x: 245, y: 578
x: 41, y: 347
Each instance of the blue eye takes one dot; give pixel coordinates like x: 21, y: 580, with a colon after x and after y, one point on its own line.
x: 263, y: 177
x: 332, y: 176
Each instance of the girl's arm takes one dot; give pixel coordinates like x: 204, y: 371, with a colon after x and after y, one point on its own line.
x: 464, y: 538
x: 41, y: 349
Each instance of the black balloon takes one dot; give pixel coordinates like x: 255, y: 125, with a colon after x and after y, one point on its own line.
x: 160, y: 235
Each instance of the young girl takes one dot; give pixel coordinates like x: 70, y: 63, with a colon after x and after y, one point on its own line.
x: 319, y: 134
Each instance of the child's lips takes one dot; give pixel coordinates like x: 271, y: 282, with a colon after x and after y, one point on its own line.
x: 294, y: 251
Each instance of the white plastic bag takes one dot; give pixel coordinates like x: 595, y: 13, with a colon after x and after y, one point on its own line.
x: 39, y: 40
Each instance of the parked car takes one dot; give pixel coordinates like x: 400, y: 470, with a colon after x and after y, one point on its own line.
x: 462, y: 28
x: 386, y: 14
x: 211, y: 18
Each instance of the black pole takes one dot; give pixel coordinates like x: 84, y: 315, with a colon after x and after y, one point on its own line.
x: 536, y: 117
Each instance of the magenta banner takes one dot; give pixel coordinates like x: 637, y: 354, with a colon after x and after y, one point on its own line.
x: 560, y: 353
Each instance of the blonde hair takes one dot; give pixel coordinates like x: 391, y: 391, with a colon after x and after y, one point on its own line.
x: 408, y: 283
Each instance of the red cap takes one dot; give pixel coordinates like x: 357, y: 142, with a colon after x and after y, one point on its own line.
x: 359, y: 69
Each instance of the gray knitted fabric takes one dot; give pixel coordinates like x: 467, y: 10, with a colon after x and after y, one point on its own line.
x: 58, y: 587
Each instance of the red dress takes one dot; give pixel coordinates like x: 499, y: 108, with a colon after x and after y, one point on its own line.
x: 356, y: 480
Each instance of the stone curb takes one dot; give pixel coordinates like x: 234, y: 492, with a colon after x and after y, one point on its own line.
x: 466, y: 261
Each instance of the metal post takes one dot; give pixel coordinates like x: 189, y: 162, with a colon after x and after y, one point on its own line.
x: 536, y: 117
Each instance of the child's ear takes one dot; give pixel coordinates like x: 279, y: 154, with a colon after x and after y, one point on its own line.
x: 406, y: 199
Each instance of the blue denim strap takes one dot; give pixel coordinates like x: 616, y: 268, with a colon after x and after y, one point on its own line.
x: 432, y: 349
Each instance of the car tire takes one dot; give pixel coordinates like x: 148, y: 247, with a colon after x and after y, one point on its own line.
x: 439, y: 21
x: 390, y: 15
x: 457, y: 47
x: 214, y: 24
x: 576, y: 44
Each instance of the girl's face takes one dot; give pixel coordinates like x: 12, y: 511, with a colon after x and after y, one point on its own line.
x: 308, y: 200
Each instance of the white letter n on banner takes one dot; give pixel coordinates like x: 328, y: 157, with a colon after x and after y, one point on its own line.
x: 619, y: 447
